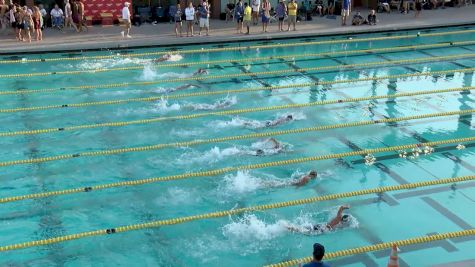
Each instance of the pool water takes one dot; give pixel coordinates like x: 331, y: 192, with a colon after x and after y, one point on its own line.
x: 254, y: 238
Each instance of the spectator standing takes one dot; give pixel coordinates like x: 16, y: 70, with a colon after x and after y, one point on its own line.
x: 266, y: 7
x: 318, y: 253
x: 57, y: 17
x: 345, y: 11
x: 68, y: 15
x: 178, y: 22
x: 418, y: 8
x: 11, y: 15
x: 292, y: 9
x: 331, y: 7
x: 281, y: 11
x: 126, y: 20
x: 247, y: 16
x: 19, y: 22
x: 27, y: 25
x: 204, y: 17
x: 255, y: 5
x: 238, y: 15
x: 44, y: 16
x: 81, y: 18
x: 229, y: 11
x: 190, y: 18
x: 37, y: 19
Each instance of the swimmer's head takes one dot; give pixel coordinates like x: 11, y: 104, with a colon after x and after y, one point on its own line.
x: 290, y: 117
x: 345, y: 218
x: 259, y: 152
x: 313, y: 174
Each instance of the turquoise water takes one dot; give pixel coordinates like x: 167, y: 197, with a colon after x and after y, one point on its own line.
x: 251, y: 239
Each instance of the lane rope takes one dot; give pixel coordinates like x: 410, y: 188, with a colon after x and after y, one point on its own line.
x: 225, y: 213
x: 216, y: 172
x: 251, y: 59
x: 234, y: 112
x: 380, y: 246
x: 116, y: 85
x: 154, y: 98
x: 240, y: 48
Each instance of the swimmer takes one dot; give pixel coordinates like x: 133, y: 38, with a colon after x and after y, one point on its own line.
x: 200, y: 71
x: 162, y: 58
x: 223, y: 103
x: 340, y: 220
x: 277, y: 147
x: 279, y: 121
x: 182, y: 87
x: 305, y: 179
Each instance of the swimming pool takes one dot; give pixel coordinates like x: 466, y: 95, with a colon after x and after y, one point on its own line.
x: 96, y: 123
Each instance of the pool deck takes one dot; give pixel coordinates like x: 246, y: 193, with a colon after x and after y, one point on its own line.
x: 162, y: 34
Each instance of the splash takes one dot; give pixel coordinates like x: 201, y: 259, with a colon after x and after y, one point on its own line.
x: 150, y: 73
x: 175, y: 57
x: 108, y: 63
x: 237, y: 122
x: 219, y: 104
x: 244, y: 182
x: 176, y: 196
x: 213, y: 155
x: 163, y: 106
x: 250, y: 228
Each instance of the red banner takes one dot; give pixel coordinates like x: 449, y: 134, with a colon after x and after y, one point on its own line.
x: 94, y: 8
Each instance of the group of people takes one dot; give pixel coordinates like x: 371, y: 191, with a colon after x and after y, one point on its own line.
x: 28, y: 22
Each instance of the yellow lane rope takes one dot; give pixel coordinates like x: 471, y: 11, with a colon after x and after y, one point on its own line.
x: 380, y: 246
x: 229, y: 138
x: 230, y: 169
x: 236, y: 111
x: 251, y: 59
x: 240, y: 48
x: 225, y: 213
x: 154, y: 98
x: 116, y: 85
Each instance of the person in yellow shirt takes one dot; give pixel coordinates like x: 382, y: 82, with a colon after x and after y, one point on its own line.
x: 292, y: 9
x: 247, y: 16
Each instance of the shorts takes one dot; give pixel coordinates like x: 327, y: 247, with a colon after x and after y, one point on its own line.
x: 204, y: 22
x: 292, y: 18
x: 345, y: 12
x: 127, y: 24
x: 265, y: 19
x: 255, y: 10
x: 13, y: 24
x: 239, y: 20
x: 247, y: 23
x: 281, y: 19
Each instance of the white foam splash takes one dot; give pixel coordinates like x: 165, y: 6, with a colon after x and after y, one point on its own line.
x: 150, y: 73
x: 250, y: 228
x: 175, y: 57
x: 163, y: 106
x: 254, y: 124
x: 245, y: 182
x: 109, y: 63
x: 219, y: 104
x: 213, y: 155
x: 237, y: 122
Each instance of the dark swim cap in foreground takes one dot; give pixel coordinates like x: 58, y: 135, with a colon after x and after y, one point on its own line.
x: 318, y: 251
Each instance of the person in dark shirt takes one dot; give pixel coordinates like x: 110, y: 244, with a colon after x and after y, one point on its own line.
x: 372, y: 17
x: 357, y: 19
x: 318, y: 253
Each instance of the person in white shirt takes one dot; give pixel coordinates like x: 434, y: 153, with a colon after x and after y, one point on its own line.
x: 126, y: 19
x: 57, y: 17
x: 190, y: 18
x: 255, y: 5
x: 68, y: 15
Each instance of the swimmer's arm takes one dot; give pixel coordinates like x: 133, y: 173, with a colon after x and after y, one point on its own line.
x: 302, y: 181
x: 335, y: 221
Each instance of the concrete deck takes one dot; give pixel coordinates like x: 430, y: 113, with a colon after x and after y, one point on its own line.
x: 162, y: 34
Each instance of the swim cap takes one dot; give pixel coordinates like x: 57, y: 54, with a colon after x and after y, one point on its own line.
x: 318, y: 251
